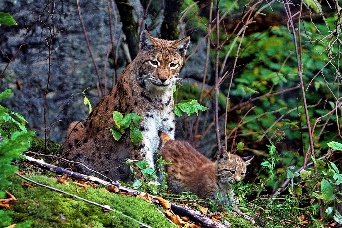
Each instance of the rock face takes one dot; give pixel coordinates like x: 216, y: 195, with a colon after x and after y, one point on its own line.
x: 48, y: 64
x: 50, y: 56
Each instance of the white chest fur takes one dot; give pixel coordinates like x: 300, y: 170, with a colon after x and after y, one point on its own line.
x: 155, y: 121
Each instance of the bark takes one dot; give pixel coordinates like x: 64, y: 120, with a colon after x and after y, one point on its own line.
x: 129, y: 26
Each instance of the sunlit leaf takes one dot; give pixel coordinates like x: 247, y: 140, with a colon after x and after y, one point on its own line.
x: 327, y: 191
x: 116, y: 134
x: 5, y: 94
x: 142, y: 164
x: 335, y: 145
x: 314, y: 4
x: 7, y: 19
x: 87, y: 102
x: 117, y: 117
x: 189, y: 107
x: 338, y: 217
x: 305, y: 174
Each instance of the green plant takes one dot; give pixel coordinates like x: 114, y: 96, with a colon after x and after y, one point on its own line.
x: 189, y: 107
x: 123, y: 122
x: 14, y: 139
x: 7, y: 19
x: 147, y: 178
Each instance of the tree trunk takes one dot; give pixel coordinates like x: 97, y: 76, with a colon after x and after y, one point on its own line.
x: 129, y: 26
x: 169, y: 28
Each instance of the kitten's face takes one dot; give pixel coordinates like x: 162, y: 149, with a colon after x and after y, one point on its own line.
x: 230, y: 168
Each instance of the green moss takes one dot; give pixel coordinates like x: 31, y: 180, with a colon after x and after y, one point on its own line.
x: 46, y: 208
x: 51, y: 147
x: 237, y: 222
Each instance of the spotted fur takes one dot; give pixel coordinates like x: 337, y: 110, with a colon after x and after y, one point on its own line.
x: 191, y: 171
x: 146, y: 88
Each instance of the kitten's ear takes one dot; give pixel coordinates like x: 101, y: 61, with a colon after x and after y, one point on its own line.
x: 146, y: 40
x: 182, y: 45
x: 248, y: 159
x: 223, y: 157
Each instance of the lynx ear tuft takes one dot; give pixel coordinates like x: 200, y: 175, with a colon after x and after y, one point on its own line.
x: 146, y: 40
x: 182, y: 45
x: 248, y: 159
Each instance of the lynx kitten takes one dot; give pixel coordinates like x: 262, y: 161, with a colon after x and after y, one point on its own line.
x: 146, y: 88
x: 191, y: 171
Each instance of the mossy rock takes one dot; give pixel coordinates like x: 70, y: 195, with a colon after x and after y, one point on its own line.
x: 47, y: 208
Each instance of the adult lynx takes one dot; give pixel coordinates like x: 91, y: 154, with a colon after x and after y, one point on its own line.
x: 146, y: 88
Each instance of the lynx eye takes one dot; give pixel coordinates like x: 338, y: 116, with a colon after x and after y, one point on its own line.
x: 154, y: 63
x: 173, y: 65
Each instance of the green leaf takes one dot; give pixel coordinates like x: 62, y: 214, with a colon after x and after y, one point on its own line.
x: 136, y: 118
x: 142, y: 164
x: 126, y: 121
x: 7, y: 19
x: 329, y: 210
x: 266, y: 164
x: 305, y: 174
x: 137, y: 184
x: 338, y: 178
x: 149, y: 173
x: 338, y: 217
x: 240, y: 146
x: 135, y: 135
x: 87, y: 102
x: 335, y: 145
x: 177, y: 111
x: 291, y: 174
x: 117, y: 117
x: 5, y: 94
x: 116, y: 134
x: 314, y: 4
x: 327, y: 191
x: 189, y: 107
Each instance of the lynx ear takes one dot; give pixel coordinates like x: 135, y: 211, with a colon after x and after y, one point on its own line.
x: 182, y: 45
x: 248, y: 159
x: 145, y: 40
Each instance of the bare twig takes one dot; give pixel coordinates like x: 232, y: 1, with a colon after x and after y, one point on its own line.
x: 300, y: 72
x: 217, y: 86
x: 99, y: 84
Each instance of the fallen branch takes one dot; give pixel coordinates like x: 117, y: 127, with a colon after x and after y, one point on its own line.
x: 193, y: 215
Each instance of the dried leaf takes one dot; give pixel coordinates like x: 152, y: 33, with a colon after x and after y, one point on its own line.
x: 5, y: 205
x: 25, y: 184
x: 204, y: 210
x: 166, y: 204
x: 174, y: 218
x: 145, y: 196
x: 194, y: 226
x: 63, y: 179
x: 112, y: 188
